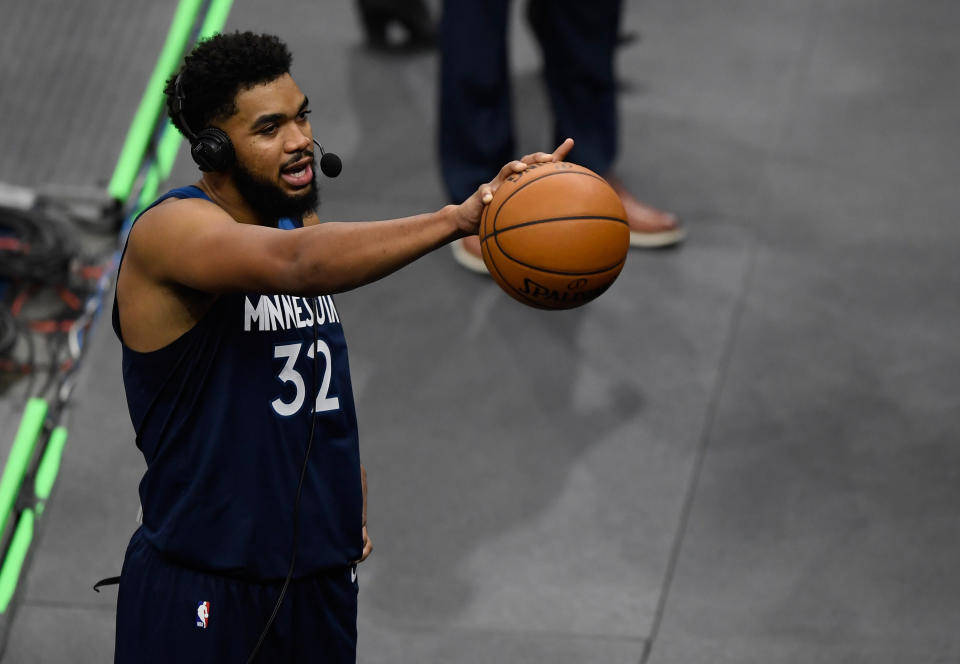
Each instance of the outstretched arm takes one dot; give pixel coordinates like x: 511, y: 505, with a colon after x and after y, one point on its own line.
x: 194, y: 243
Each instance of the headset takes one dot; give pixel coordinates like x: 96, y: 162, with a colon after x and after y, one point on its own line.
x: 212, y: 150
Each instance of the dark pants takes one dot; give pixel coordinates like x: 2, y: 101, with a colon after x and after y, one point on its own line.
x: 578, y: 40
x: 168, y: 613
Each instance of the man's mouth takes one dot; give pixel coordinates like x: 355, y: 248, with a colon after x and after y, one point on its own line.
x: 299, y: 174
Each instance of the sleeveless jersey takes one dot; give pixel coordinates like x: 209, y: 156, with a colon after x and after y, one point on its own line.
x: 222, y: 416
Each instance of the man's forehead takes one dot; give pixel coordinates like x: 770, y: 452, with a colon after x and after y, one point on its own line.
x: 276, y: 96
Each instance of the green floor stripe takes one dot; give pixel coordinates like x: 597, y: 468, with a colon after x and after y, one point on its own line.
x: 216, y: 18
x: 169, y: 144
x: 50, y: 464
x: 138, y: 137
x: 13, y: 562
x: 21, y: 452
x: 167, y: 151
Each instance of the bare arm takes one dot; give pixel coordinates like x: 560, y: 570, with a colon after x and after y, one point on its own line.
x: 195, y: 243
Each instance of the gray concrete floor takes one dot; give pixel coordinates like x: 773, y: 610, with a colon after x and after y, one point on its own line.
x: 744, y: 452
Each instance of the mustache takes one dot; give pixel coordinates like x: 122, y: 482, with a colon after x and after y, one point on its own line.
x: 298, y: 157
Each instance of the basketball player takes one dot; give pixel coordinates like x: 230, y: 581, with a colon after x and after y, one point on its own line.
x: 237, y: 381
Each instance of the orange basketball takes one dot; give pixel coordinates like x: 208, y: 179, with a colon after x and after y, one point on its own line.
x: 554, y: 236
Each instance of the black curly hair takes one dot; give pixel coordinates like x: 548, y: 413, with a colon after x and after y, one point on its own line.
x: 219, y: 68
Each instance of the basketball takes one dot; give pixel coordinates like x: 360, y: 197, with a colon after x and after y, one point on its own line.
x: 555, y: 235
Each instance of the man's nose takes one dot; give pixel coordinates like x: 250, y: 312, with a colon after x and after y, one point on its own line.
x: 297, y: 141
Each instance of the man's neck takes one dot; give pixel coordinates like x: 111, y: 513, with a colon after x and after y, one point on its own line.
x: 221, y: 190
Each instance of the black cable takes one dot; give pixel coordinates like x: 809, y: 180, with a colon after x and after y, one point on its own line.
x: 35, y: 247
x: 9, y: 331
x: 296, y: 504
x: 54, y: 346
x: 17, y: 340
x: 37, y: 252
x: 31, y: 355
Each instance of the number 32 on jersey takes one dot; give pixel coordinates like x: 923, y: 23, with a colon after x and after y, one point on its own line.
x: 289, y: 374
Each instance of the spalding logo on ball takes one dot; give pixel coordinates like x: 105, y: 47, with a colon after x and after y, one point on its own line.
x: 555, y: 236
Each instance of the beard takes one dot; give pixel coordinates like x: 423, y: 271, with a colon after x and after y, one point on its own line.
x: 268, y: 201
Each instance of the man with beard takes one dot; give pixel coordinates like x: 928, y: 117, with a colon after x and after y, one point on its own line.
x: 236, y: 375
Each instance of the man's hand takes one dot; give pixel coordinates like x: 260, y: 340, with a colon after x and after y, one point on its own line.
x: 367, y: 544
x: 470, y: 210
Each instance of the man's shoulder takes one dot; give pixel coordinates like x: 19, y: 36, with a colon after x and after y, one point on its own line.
x: 175, y: 205
x: 175, y: 213
x: 163, y: 234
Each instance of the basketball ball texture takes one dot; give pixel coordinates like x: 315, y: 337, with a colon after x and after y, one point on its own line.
x: 555, y: 236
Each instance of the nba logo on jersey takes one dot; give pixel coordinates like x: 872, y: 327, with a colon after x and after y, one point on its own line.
x: 203, y: 614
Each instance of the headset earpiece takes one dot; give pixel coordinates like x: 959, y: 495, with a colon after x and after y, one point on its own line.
x: 211, y: 149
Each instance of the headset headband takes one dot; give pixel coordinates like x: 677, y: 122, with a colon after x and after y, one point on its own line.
x: 178, y: 104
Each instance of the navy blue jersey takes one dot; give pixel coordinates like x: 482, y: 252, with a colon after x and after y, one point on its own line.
x: 222, y: 416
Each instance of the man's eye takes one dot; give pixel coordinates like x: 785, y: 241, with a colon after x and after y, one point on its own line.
x: 303, y: 114
x: 269, y: 129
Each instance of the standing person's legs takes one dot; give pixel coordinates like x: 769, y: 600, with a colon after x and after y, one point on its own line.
x: 476, y: 123
x: 378, y: 16
x: 579, y: 42
x: 476, y: 133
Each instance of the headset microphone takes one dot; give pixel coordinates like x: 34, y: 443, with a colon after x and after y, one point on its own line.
x: 330, y: 163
